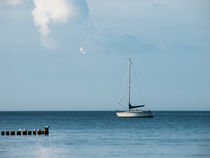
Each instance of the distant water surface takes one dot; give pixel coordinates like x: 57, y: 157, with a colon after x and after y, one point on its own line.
x: 101, y: 134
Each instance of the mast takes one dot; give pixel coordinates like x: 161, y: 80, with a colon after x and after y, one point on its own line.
x: 129, y: 82
x: 129, y: 88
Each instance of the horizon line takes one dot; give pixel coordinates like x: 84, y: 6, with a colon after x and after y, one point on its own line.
x: 99, y: 110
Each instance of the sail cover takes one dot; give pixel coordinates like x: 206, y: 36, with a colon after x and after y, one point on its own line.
x: 133, y: 107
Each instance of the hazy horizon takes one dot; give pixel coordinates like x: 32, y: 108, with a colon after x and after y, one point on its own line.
x: 99, y: 111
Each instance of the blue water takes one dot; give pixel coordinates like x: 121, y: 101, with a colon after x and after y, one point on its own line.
x: 102, y: 134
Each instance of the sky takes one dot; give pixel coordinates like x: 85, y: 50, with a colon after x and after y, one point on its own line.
x: 42, y: 67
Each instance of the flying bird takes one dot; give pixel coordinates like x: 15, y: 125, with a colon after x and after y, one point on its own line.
x: 82, y: 50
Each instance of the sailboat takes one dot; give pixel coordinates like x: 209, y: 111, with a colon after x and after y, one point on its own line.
x: 133, y: 111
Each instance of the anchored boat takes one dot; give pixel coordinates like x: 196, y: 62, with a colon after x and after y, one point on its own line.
x: 133, y: 111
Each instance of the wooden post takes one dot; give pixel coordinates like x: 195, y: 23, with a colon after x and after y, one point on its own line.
x: 2, y: 133
x: 7, y: 133
x: 18, y: 133
x: 12, y: 133
x: 38, y: 132
x: 46, y: 130
x: 24, y: 132
x: 29, y: 132
x: 34, y: 132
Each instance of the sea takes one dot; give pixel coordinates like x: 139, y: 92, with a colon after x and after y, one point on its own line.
x: 101, y: 134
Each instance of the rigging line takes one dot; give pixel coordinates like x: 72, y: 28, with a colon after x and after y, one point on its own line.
x: 123, y: 89
x: 138, y: 85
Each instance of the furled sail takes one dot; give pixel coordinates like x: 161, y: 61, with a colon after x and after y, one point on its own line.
x: 133, y: 107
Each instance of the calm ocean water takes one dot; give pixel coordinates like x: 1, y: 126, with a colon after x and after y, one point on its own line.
x: 102, y: 134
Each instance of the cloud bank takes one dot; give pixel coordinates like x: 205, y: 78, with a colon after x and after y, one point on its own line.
x: 47, y: 12
x: 50, y: 11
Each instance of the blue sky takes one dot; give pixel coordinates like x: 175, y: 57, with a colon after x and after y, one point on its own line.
x: 42, y: 67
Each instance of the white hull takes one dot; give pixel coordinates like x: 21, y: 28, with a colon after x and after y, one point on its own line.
x: 134, y: 114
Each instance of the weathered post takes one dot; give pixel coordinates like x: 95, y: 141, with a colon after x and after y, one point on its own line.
x: 38, y: 131
x: 7, y: 133
x: 34, y: 132
x: 46, y: 130
x: 12, y: 133
x: 24, y: 132
x: 18, y: 133
x: 29, y: 132
x: 2, y: 133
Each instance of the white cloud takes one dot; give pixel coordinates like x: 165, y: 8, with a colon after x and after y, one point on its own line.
x: 48, y: 12
x: 51, y: 11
